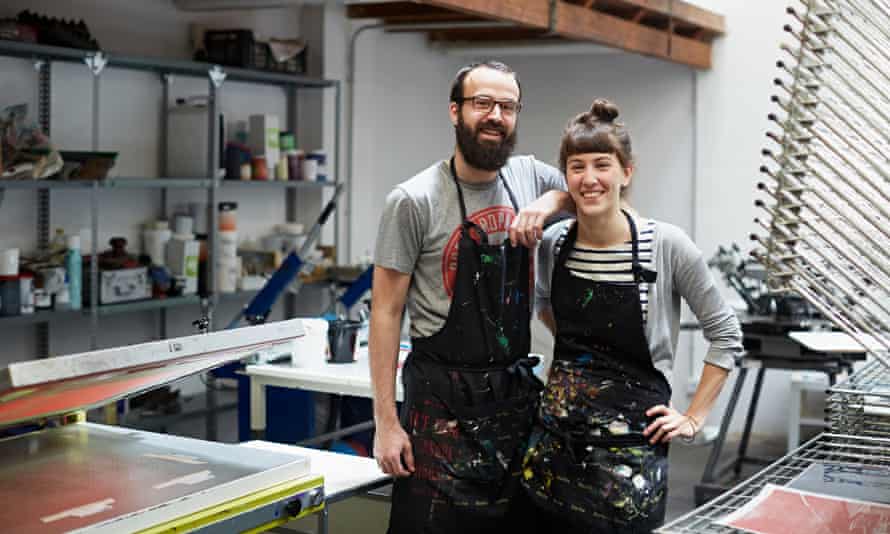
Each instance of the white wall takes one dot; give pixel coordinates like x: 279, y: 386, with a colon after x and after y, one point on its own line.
x: 401, y: 126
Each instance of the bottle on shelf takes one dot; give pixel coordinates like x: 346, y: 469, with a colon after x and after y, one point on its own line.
x: 155, y: 237
x: 183, y: 254
x: 74, y: 270
x: 59, y: 243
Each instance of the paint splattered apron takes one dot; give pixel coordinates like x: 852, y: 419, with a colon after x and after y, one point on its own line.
x: 470, y: 394
x: 588, y: 461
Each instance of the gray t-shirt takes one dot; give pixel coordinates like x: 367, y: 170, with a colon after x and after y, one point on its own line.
x: 682, y: 273
x: 419, y: 228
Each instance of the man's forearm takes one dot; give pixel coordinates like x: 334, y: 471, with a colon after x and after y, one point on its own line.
x: 563, y: 201
x: 383, y: 350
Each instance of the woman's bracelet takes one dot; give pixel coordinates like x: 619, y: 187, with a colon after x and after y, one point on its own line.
x: 695, y: 424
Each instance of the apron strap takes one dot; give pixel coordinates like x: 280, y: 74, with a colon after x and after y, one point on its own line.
x: 640, y: 274
x: 460, y: 193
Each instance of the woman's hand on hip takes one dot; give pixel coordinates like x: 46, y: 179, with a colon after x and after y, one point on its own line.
x: 668, y: 424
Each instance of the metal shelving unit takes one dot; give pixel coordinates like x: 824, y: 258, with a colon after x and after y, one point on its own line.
x: 853, y: 451
x: 43, y: 57
x: 109, y: 183
x: 146, y: 305
x: 861, y: 404
x: 48, y: 316
x: 39, y: 317
x: 120, y: 182
x: 276, y: 184
x: 159, y: 65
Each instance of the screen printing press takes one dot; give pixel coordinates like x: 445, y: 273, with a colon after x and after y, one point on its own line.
x: 59, y: 473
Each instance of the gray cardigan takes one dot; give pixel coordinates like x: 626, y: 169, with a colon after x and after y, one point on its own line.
x: 682, y: 272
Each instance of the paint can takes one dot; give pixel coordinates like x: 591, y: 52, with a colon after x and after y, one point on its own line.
x: 9, y: 262
x: 310, y: 170
x: 342, y: 338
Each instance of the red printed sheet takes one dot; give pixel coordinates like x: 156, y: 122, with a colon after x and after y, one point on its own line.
x: 42, y: 400
x: 780, y: 510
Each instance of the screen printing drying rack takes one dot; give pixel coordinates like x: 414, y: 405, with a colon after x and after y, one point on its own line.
x: 61, y: 474
x: 827, y: 239
x: 847, y: 454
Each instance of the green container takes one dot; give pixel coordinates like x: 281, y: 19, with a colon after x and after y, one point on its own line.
x: 287, y: 141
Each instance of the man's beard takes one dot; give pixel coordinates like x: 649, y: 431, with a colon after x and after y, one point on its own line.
x: 484, y: 155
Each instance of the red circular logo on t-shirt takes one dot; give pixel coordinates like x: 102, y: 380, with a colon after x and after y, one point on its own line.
x: 495, y: 221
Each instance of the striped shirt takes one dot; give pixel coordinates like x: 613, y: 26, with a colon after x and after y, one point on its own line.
x: 613, y: 264
x: 683, y: 275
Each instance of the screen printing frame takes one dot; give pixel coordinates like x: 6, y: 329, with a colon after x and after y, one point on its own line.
x: 37, y: 389
x: 98, y: 479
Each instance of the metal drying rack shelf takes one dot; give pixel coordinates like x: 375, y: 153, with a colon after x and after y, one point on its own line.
x: 835, y: 448
x: 861, y: 404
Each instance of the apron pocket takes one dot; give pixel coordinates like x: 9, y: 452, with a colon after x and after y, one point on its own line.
x: 471, y: 456
x: 609, y: 487
x: 494, y: 435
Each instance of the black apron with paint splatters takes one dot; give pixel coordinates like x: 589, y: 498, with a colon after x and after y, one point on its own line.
x: 588, y: 461
x: 470, y: 394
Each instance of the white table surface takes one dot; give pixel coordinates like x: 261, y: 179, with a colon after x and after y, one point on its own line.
x: 834, y: 342
x: 344, y: 474
x: 312, y: 372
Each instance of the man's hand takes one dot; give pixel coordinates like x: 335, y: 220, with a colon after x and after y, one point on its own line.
x: 391, y: 444
x: 528, y: 226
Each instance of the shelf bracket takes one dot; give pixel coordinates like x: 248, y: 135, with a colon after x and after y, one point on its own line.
x: 217, y: 76
x: 96, y: 61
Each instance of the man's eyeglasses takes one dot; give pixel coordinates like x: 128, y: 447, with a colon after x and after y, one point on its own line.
x: 484, y: 104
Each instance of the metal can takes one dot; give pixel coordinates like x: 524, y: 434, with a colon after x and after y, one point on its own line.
x: 259, y: 168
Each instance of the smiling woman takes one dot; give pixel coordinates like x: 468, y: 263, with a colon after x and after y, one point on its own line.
x: 609, y: 286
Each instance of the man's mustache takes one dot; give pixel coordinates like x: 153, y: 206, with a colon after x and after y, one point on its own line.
x: 500, y: 128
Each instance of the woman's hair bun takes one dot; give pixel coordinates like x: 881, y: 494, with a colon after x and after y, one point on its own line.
x: 603, y: 110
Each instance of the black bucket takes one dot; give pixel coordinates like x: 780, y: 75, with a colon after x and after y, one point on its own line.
x: 342, y: 336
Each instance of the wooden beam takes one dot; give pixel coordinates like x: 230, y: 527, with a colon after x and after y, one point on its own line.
x: 579, y: 23
x: 533, y: 13
x: 485, y: 35
x: 682, y: 12
x: 383, y: 10
x: 668, y: 29
x: 690, y: 52
x: 432, y: 17
x: 708, y: 20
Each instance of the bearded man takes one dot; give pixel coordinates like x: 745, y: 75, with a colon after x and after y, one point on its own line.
x: 454, y: 246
